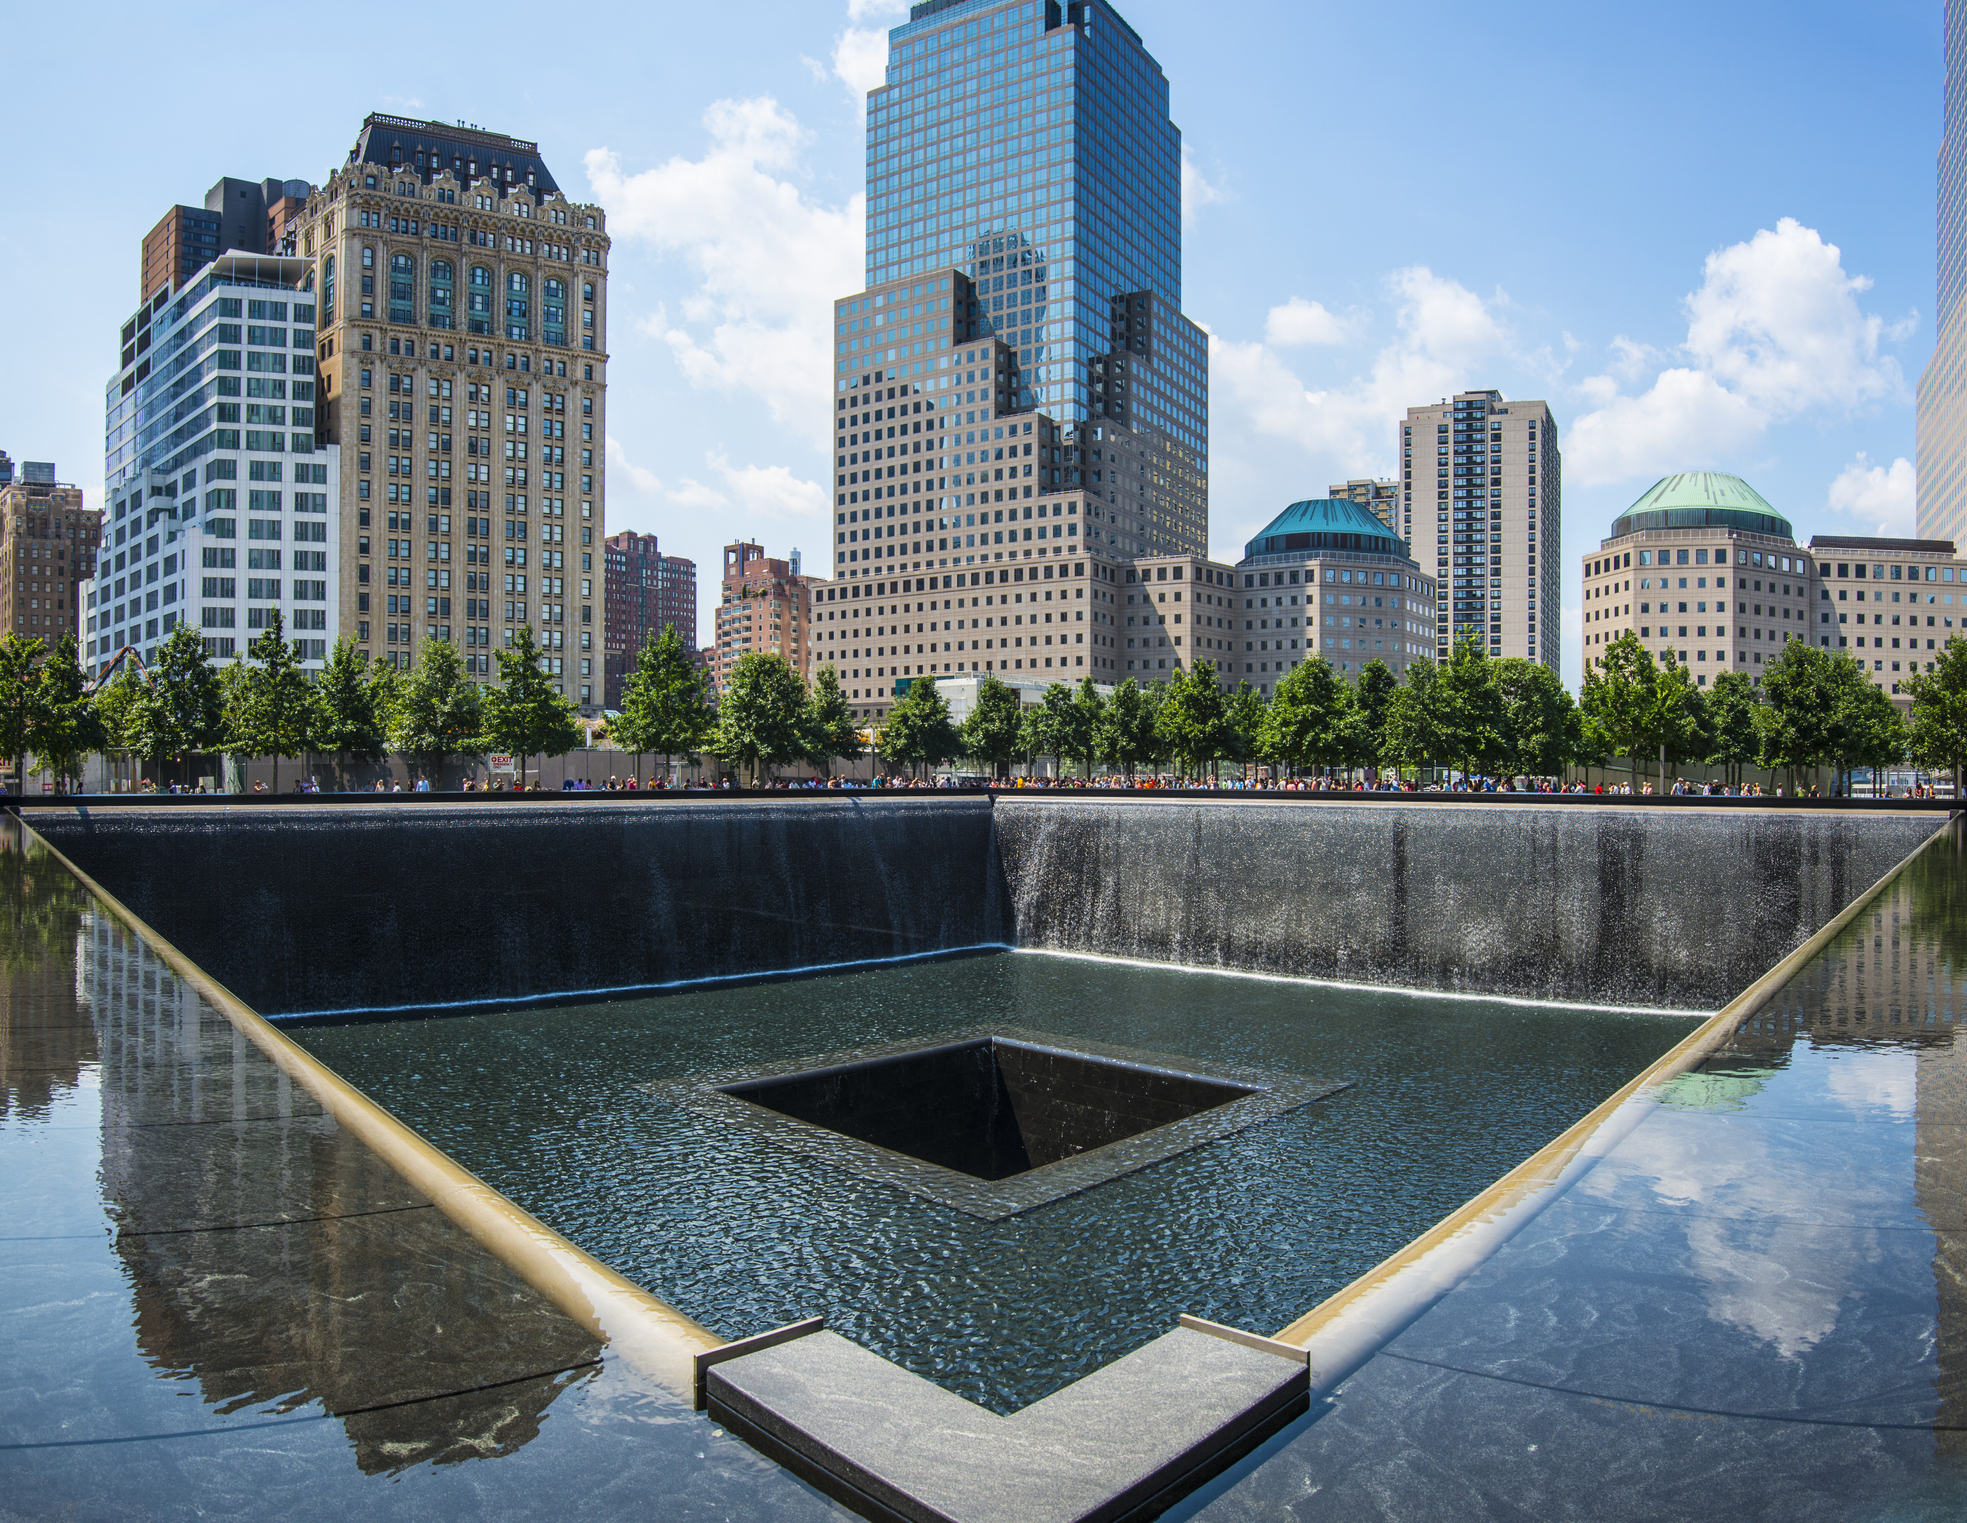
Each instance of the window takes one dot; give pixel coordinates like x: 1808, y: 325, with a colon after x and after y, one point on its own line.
x: 402, y: 288
x: 441, y: 312
x: 517, y: 325
x: 553, y: 315
x: 478, y: 300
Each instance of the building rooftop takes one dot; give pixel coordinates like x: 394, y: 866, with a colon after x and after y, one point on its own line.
x: 1325, y: 523
x: 1867, y: 542
x: 394, y: 143
x: 1702, y: 500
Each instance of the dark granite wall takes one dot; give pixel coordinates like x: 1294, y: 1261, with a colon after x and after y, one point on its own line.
x: 351, y: 908
x: 301, y: 909
x: 1671, y: 907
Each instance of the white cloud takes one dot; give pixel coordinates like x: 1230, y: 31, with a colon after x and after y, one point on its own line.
x: 639, y: 478
x: 767, y: 259
x: 860, y: 10
x: 860, y: 59
x: 1774, y: 331
x: 1444, y: 334
x: 1197, y: 192
x: 1883, y: 496
x: 772, y: 491
x: 1306, y: 322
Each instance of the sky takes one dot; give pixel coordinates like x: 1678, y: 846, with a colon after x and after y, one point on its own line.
x: 1703, y: 234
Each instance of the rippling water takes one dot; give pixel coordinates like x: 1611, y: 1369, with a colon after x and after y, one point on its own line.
x: 546, y: 1105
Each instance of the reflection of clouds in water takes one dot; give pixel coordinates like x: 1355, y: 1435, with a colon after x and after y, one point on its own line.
x: 1766, y: 1268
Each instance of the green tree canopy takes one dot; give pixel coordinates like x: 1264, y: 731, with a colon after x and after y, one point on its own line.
x: 348, y: 718
x: 1241, y: 739
x: 1373, y: 696
x: 70, y: 726
x: 831, y: 731
x: 1091, y: 709
x: 269, y: 708
x: 1193, y: 721
x: 180, y: 711
x: 1058, y: 727
x: 1304, y: 723
x: 1125, y: 737
x: 1415, y: 733
x: 666, y: 709
x: 919, y: 731
x: 1939, y: 713
x: 760, y: 722
x: 990, y: 733
x: 21, y: 699
x: 1617, y: 699
x: 1734, y: 736
x: 526, y: 713
x: 436, y: 712
x: 1816, y: 707
x: 1472, y: 708
x: 1540, y: 720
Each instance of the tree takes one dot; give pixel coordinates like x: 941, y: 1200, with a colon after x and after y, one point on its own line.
x: 1304, y: 723
x: 1540, y: 720
x: 830, y: 728
x: 1939, y: 713
x: 1416, y: 728
x: 1678, y: 716
x: 1125, y: 737
x: 919, y: 731
x: 1241, y: 739
x: 20, y: 700
x: 1875, y: 732
x: 665, y: 708
x: 1057, y: 727
x: 991, y: 732
x: 760, y: 721
x: 180, y: 710
x: 1472, y: 708
x: 436, y: 710
x: 1091, y: 709
x: 70, y: 726
x: 526, y: 714
x: 1617, y: 702
x: 1814, y: 707
x: 1372, y: 693
x: 270, y: 710
x: 347, y: 716
x: 1734, y: 738
x: 114, y: 706
x: 1193, y: 718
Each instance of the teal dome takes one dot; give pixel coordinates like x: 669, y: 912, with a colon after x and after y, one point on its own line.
x: 1702, y: 500
x: 1325, y: 523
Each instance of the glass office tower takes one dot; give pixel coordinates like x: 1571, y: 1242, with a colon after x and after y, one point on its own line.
x: 1942, y: 510
x: 1021, y: 163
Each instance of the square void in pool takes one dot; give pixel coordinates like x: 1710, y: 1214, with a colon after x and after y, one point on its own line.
x: 996, y: 1122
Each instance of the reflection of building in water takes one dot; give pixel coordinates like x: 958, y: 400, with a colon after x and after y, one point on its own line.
x: 276, y: 1261
x: 45, y: 1038
x: 1895, y: 978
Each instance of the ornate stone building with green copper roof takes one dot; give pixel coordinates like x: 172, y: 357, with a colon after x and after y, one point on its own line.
x: 1704, y: 567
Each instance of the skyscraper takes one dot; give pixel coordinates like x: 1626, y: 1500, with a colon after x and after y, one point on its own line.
x: 1942, y: 450
x: 1024, y: 256
x: 49, y: 540
x: 463, y: 356
x: 646, y: 592
x: 1493, y: 467
x: 253, y: 216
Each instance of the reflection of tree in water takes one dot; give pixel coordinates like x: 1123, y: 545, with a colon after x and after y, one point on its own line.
x: 46, y: 1038
x: 279, y: 1264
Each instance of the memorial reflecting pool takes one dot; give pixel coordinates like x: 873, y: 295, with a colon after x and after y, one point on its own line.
x: 550, y: 1106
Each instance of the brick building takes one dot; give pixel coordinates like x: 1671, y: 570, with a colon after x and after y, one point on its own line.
x: 764, y: 604
x: 50, y: 541
x: 644, y: 592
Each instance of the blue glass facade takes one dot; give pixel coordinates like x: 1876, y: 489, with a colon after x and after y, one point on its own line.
x: 1025, y: 148
x: 1942, y: 512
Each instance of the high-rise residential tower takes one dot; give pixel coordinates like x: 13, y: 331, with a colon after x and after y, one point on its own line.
x: 1024, y: 264
x: 49, y: 540
x: 463, y: 358
x: 1495, y: 472
x: 222, y: 505
x: 1942, y: 450
x: 252, y: 216
x: 765, y: 605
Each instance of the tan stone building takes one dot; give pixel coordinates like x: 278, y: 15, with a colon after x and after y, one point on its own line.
x: 50, y: 543
x: 463, y: 364
x: 1703, y: 567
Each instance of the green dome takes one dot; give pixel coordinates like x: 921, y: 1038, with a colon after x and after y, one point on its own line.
x: 1702, y: 500
x: 1325, y: 523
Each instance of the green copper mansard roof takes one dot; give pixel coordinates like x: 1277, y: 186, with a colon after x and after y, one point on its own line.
x: 1325, y: 523
x: 1702, y: 500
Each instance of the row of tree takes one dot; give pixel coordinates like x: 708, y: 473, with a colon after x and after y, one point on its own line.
x: 1474, y: 713
x: 185, y: 704
x: 1814, y: 709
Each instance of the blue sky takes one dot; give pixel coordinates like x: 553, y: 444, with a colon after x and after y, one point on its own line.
x: 1704, y: 234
